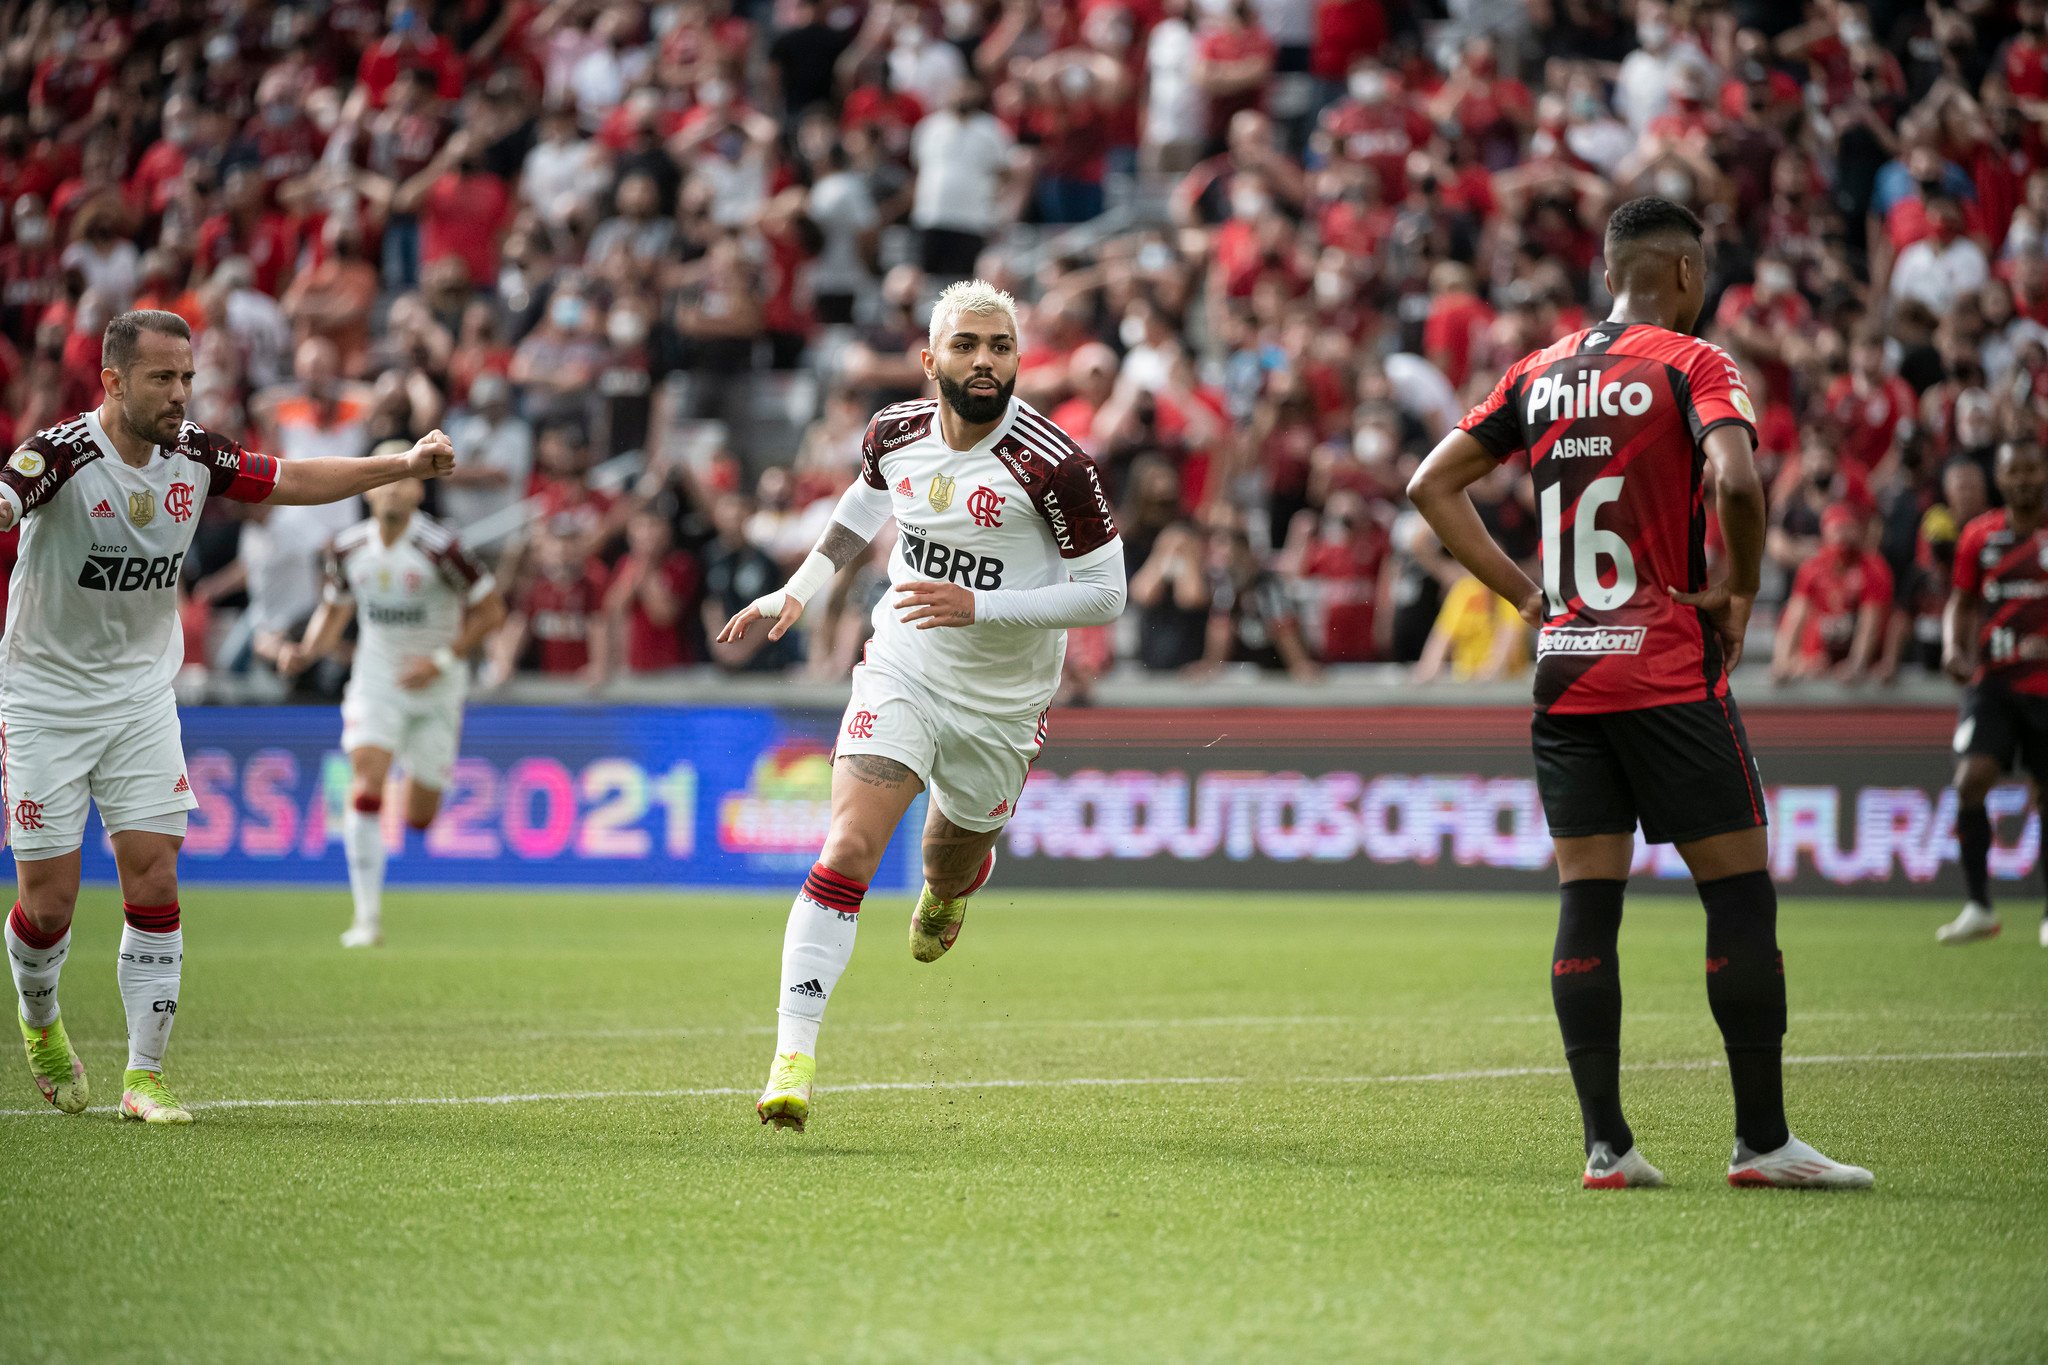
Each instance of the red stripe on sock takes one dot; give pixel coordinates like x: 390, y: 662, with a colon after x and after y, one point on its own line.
x: 834, y: 889
x: 25, y: 930
x: 151, y: 919
x: 369, y: 803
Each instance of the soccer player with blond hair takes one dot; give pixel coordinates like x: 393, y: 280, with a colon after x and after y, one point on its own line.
x: 107, y: 503
x: 1006, y: 541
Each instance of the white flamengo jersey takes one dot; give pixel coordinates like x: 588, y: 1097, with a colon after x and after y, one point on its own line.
x: 92, y: 608
x: 409, y: 596
x: 1018, y: 511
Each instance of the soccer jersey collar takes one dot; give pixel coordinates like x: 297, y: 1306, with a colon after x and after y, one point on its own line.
x: 986, y: 443
x: 107, y: 446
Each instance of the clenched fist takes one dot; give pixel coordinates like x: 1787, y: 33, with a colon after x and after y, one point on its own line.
x: 431, y: 456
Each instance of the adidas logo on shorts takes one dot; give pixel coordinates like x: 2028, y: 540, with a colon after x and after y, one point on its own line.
x: 182, y: 787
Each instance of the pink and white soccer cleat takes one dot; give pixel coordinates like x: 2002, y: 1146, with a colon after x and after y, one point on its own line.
x: 1795, y: 1166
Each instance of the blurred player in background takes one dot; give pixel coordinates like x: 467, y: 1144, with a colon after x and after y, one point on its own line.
x: 108, y: 503
x: 1634, y: 721
x: 1995, y: 638
x: 423, y: 606
x: 1007, y: 542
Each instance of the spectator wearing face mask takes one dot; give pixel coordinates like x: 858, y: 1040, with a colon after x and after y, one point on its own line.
x: 1943, y: 266
x: 494, y: 456
x: 558, y: 361
x: 1766, y: 323
x: 1834, y: 620
x: 30, y: 272
x: 463, y: 209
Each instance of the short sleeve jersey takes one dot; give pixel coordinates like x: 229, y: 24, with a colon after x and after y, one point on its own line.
x: 409, y: 596
x: 92, y: 607
x: 1612, y: 419
x: 1836, y: 587
x: 1020, y: 510
x: 2009, y: 572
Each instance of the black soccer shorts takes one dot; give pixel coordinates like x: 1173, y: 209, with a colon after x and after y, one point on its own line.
x: 2003, y: 725
x: 1684, y: 771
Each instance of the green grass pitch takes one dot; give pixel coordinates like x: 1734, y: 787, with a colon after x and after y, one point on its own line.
x: 1105, y: 1128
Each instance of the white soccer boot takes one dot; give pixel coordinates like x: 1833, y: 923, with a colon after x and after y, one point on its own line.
x: 1629, y: 1171
x: 1795, y: 1166
x: 1976, y: 922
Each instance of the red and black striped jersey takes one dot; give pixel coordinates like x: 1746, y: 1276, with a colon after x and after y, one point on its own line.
x: 2009, y: 573
x: 1612, y: 419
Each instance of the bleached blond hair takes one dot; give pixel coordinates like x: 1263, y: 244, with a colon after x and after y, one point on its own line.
x: 972, y: 296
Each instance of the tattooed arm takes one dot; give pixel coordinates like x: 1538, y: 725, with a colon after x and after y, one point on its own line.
x: 861, y: 513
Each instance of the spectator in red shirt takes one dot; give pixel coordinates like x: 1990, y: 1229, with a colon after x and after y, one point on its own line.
x: 248, y: 227
x: 1767, y: 323
x: 1376, y: 124
x: 31, y: 277
x: 1834, y: 621
x: 463, y: 209
x: 1234, y: 60
x: 557, y: 626
x: 409, y: 46
x: 1457, y: 322
x: 1342, y: 567
x: 1868, y: 404
x: 652, y: 597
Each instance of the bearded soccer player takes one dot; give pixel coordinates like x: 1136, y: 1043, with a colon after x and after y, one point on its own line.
x: 424, y: 606
x: 1994, y: 636
x: 1006, y: 542
x: 108, y: 503
x: 1634, y: 721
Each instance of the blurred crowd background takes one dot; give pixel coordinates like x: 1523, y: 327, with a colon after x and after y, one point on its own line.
x: 652, y: 266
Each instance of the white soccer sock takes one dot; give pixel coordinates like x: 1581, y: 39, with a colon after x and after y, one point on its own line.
x: 362, y: 835
x: 35, y: 972
x: 148, y: 975
x: 815, y: 950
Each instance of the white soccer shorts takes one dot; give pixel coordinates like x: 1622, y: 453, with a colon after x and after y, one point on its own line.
x: 422, y: 732
x: 974, y: 764
x: 134, y: 771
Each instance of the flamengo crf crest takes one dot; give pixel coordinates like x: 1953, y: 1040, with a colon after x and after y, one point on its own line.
x: 941, y: 492
x: 141, y: 508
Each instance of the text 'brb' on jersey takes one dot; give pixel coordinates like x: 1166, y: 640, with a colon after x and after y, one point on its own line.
x: 1018, y: 511
x: 1612, y: 419
x: 409, y: 597
x: 92, y: 608
x: 2010, y: 573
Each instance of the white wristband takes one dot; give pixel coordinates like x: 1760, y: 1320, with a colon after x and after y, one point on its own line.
x: 814, y: 573
x: 444, y: 659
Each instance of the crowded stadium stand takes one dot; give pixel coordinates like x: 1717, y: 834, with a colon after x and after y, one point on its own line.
x: 652, y: 266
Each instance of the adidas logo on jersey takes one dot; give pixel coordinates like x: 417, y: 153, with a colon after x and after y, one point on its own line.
x: 182, y: 787
x: 105, y: 509
x: 903, y: 489
x: 1002, y: 808
x: 1553, y: 397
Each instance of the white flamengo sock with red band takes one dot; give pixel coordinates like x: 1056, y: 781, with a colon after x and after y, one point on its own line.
x: 152, y: 955
x: 36, y: 959
x: 362, y: 838
x: 815, y: 950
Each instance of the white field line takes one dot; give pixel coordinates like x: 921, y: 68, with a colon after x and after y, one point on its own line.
x: 523, y: 1036
x: 1060, y: 1083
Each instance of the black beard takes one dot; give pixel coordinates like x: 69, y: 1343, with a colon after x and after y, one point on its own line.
x: 977, y: 408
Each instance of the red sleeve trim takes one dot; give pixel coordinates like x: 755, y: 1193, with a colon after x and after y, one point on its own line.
x: 254, y: 479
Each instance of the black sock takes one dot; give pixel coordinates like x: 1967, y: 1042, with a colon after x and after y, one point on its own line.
x: 1585, y: 988
x: 1746, y: 991
x: 1973, y: 842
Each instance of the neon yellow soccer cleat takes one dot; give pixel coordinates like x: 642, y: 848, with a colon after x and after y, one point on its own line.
x: 58, y: 1072
x: 786, y: 1102
x: 935, y: 924
x: 147, y: 1098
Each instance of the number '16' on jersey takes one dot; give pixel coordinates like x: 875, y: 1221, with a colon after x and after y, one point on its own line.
x: 1612, y: 419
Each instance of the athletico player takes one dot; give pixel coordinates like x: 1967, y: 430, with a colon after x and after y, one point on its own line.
x: 109, y: 502
x: 1007, y: 541
x: 424, y: 606
x: 1994, y: 636
x: 1634, y: 722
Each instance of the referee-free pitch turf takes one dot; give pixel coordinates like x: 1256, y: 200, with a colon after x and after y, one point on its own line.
x: 1104, y: 1128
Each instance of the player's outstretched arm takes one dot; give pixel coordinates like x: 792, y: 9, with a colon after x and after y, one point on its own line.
x: 1093, y: 595
x: 1438, y: 491
x: 330, y: 479
x: 855, y: 522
